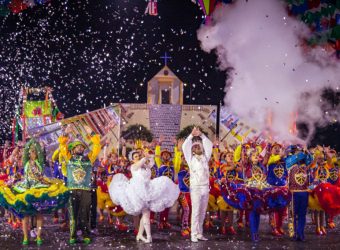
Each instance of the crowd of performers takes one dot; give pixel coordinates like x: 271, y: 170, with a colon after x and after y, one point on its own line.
x: 244, y: 183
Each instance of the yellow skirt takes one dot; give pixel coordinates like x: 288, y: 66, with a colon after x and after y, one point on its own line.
x: 222, y: 205
x: 104, y: 202
x: 313, y: 203
x: 212, y: 204
x: 35, y: 200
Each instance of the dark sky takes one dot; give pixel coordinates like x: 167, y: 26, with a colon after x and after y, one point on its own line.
x: 97, y: 52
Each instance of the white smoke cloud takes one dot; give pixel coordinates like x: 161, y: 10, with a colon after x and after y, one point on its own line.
x: 269, y: 67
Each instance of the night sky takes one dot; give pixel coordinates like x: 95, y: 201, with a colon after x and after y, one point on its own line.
x: 99, y: 52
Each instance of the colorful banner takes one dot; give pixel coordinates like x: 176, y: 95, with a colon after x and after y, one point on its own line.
x: 233, y: 130
x: 37, y: 122
x: 105, y: 122
x: 33, y: 109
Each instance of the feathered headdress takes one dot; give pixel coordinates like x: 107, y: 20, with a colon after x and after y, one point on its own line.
x: 33, y: 145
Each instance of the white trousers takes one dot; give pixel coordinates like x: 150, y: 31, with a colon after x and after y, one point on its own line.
x: 199, y: 203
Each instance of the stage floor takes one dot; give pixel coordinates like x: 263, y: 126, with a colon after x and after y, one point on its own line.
x: 109, y: 238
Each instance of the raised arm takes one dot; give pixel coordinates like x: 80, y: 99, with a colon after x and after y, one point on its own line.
x: 207, y: 145
x: 158, y: 151
x: 294, y: 159
x: 139, y: 164
x: 158, y: 155
x: 216, y: 152
x: 178, y: 155
x: 96, y: 147
x: 267, y: 155
x: 64, y: 153
x: 186, y: 148
x: 177, y: 161
x: 55, y: 155
x: 123, y: 142
x: 150, y: 162
x: 61, y: 155
x: 105, y: 154
x: 329, y: 156
x: 272, y: 159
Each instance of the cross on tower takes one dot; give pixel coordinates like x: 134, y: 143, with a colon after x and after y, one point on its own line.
x: 165, y: 57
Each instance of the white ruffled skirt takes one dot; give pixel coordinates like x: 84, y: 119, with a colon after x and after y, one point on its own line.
x: 138, y: 194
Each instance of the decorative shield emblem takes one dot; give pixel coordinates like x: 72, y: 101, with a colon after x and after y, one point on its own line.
x: 167, y: 172
x: 186, y: 180
x: 322, y: 174
x: 257, y: 173
x: 334, y: 175
x: 153, y: 172
x: 300, y: 177
x: 79, y: 175
x: 279, y: 171
x: 230, y: 176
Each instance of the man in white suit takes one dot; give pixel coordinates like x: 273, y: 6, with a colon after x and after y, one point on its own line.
x: 197, y: 153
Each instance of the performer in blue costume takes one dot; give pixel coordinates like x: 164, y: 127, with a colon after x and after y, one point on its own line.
x: 165, y: 168
x: 255, y: 195
x: 298, y: 181
x: 277, y: 175
x: 184, y: 197
x: 226, y: 172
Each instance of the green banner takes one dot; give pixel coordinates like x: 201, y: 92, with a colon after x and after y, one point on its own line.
x: 34, y: 109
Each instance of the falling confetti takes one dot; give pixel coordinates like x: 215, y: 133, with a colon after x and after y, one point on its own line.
x: 95, y: 53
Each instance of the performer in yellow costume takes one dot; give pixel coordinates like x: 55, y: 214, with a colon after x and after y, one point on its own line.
x: 79, y: 164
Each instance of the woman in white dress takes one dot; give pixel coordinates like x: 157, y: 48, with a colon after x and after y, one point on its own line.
x: 140, y: 194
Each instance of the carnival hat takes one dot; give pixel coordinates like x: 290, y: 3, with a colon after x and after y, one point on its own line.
x: 74, y: 144
x: 165, y: 152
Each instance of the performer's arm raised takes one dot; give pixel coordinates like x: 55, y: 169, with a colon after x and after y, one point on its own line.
x: 96, y: 147
x: 64, y: 153
x: 150, y: 162
x: 178, y: 156
x: 207, y: 145
x: 139, y: 164
x: 186, y: 148
x: 158, y: 151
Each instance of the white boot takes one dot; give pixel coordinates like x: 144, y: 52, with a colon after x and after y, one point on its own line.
x: 141, y: 231
x: 147, y: 227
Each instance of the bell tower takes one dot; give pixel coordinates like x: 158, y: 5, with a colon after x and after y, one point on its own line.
x: 165, y: 87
